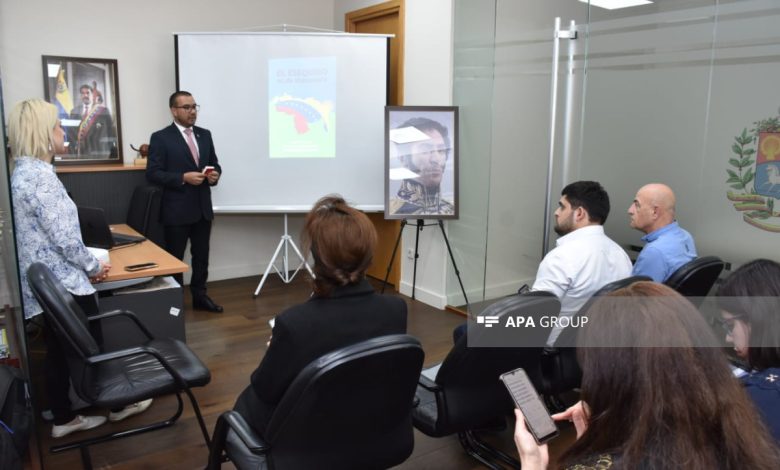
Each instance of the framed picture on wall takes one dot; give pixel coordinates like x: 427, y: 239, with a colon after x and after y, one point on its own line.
x: 421, y: 162
x: 86, y: 94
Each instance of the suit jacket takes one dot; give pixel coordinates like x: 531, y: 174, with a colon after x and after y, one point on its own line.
x: 100, y: 138
x: 310, y: 330
x: 169, y: 159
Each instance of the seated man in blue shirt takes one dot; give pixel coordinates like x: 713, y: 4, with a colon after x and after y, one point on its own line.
x: 667, y: 245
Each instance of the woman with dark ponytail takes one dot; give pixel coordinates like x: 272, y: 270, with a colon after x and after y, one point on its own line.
x: 342, y: 310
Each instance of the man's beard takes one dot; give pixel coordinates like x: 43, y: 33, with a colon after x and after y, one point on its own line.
x: 563, y: 228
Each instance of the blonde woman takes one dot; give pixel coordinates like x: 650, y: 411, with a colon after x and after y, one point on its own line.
x: 47, y: 231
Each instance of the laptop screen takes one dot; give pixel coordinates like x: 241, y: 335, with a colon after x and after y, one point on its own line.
x: 94, y: 228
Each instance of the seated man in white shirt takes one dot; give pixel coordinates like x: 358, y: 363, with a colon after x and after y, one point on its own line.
x: 584, y: 258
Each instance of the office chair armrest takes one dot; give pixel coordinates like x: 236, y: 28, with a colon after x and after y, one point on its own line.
x: 428, y: 384
x: 110, y: 356
x: 124, y: 313
x: 550, y: 362
x: 550, y: 368
x: 239, y: 426
x: 227, y: 421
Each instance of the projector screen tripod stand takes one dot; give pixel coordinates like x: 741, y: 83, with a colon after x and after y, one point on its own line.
x: 418, y: 228
x: 286, y: 242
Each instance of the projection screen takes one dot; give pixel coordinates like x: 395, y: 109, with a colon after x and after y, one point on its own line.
x: 294, y: 116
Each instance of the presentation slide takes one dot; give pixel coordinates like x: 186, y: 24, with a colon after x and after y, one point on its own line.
x: 302, y: 114
x: 294, y: 116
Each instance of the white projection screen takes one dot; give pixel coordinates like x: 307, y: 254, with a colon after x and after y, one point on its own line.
x: 294, y: 116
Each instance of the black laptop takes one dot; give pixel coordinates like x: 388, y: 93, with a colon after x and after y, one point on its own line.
x: 95, y: 231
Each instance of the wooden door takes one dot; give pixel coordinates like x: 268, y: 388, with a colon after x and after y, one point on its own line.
x: 385, y: 18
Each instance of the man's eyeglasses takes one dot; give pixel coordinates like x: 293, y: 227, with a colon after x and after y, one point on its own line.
x: 727, y: 324
x: 189, y: 107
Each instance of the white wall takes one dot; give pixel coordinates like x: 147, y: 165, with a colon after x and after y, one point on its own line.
x: 139, y: 35
x: 427, y: 81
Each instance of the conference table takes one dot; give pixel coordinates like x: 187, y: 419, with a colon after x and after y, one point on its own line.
x: 151, y: 294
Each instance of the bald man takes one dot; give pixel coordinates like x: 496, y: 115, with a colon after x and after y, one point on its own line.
x: 667, y: 245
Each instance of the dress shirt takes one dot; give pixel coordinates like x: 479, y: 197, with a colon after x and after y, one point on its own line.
x: 665, y: 251
x: 48, y: 231
x: 184, y: 136
x: 581, y: 263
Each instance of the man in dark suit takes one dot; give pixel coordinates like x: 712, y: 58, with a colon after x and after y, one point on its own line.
x: 95, y: 135
x: 178, y: 155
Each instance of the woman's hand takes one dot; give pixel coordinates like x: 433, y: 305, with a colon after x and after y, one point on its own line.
x: 532, y: 455
x: 579, y: 414
x: 102, y: 274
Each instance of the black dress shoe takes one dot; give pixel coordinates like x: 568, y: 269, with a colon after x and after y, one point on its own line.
x: 205, y: 303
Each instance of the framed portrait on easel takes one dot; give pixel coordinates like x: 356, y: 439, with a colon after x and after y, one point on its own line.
x: 421, y: 162
x: 86, y: 94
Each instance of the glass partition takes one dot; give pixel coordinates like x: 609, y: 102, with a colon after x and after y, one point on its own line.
x: 502, y: 82
x: 646, y: 104
x: 677, y: 91
x: 734, y: 221
x: 473, y: 93
x: 13, y: 348
x: 13, y: 340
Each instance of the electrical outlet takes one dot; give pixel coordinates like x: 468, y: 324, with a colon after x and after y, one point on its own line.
x: 410, y: 253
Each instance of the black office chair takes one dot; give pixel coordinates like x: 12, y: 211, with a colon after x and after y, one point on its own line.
x: 696, y: 277
x: 559, y: 366
x: 118, y: 378
x: 143, y: 214
x: 467, y: 395
x: 349, y: 409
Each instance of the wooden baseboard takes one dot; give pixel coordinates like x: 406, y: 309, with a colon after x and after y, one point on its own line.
x: 458, y: 310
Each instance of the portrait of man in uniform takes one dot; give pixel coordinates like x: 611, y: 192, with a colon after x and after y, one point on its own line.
x: 94, y: 135
x: 86, y: 94
x: 421, y: 163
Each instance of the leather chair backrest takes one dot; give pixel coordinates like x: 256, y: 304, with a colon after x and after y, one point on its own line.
x: 143, y: 214
x: 696, y: 277
x: 569, y: 335
x: 349, y: 409
x: 560, y: 367
x: 69, y: 323
x: 469, y: 376
x: 64, y: 314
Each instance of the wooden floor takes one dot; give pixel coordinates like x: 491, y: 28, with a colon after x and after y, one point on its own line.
x: 231, y: 345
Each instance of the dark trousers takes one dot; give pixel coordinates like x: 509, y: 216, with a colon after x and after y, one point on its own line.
x: 55, y: 368
x: 198, y: 234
